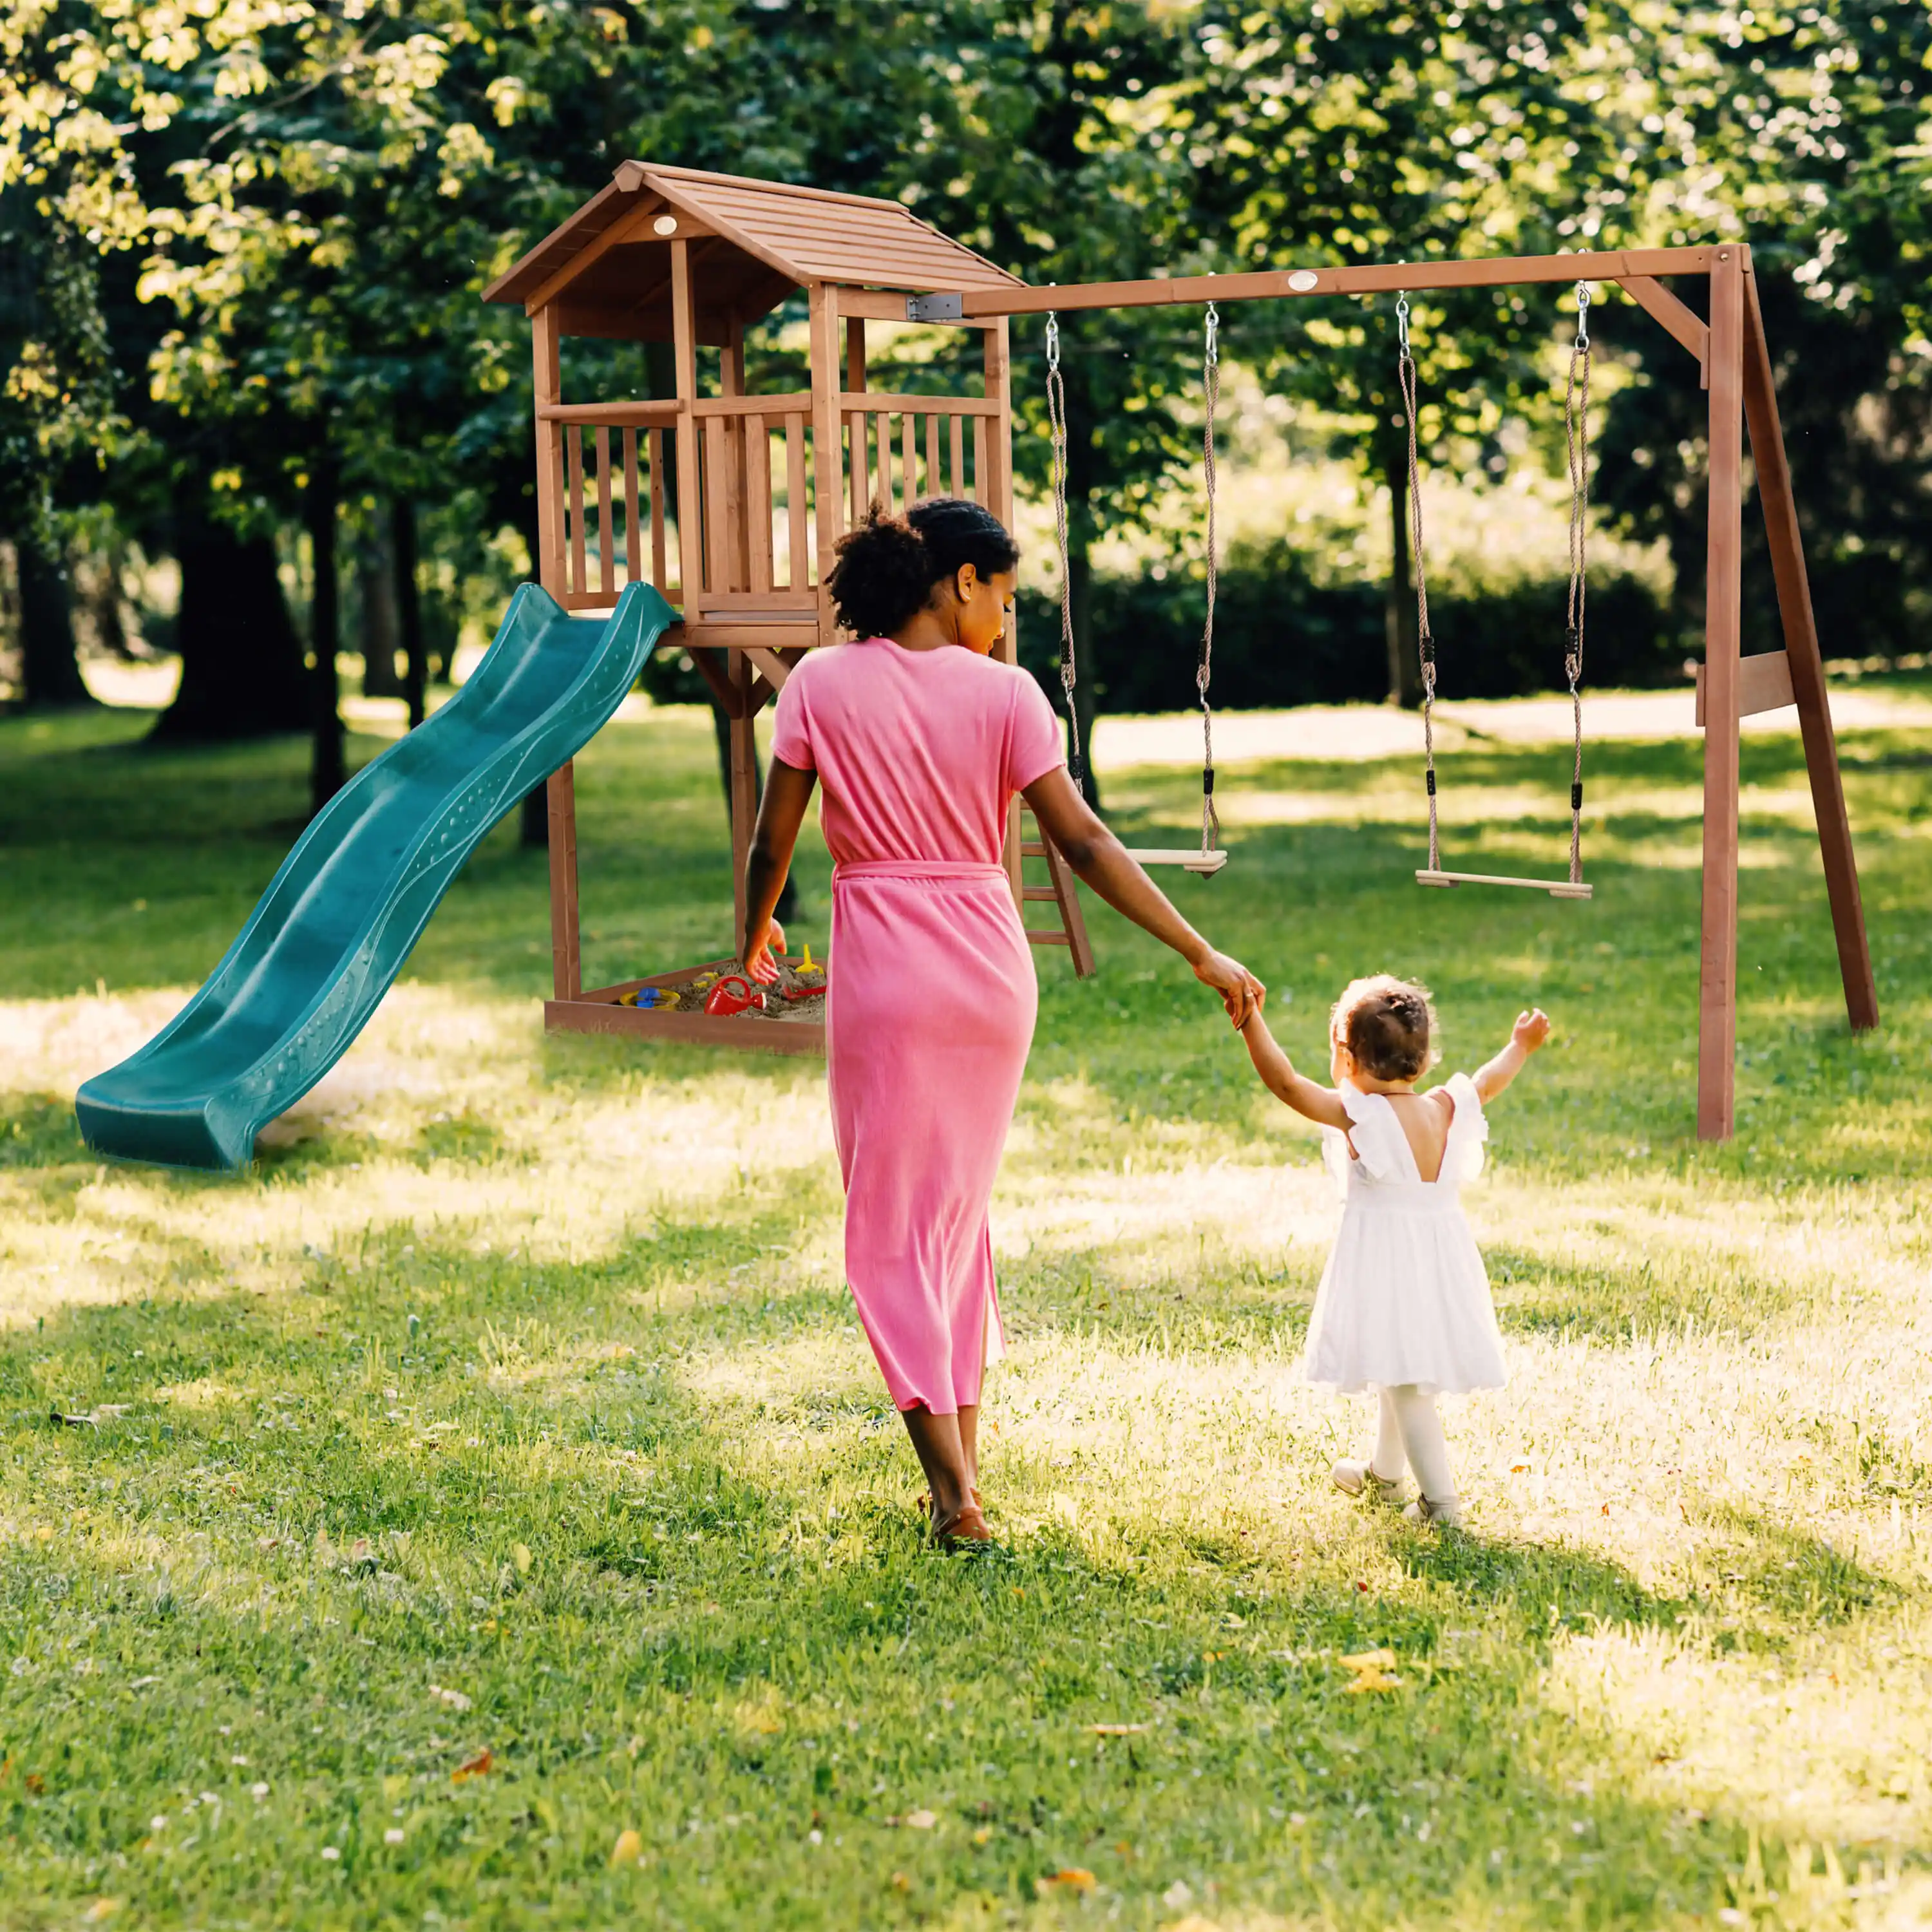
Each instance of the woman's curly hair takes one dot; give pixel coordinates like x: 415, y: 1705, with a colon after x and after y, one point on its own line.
x: 1388, y: 1026
x: 887, y: 566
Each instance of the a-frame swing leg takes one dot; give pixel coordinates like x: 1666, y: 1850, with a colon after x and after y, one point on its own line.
x: 1807, y: 669
x: 1717, y: 963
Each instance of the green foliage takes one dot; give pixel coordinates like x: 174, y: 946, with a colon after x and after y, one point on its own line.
x: 1282, y: 637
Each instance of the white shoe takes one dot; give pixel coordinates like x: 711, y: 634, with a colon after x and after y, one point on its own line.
x: 1353, y: 1478
x: 1448, y: 1512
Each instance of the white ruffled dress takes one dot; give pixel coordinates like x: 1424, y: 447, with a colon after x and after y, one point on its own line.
x: 1405, y: 1297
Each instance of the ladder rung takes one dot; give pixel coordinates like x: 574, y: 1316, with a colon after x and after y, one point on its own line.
x: 1039, y: 893
x: 1557, y: 889
x: 1029, y: 849
x: 1041, y: 937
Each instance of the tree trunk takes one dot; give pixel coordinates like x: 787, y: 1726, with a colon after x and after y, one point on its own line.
x: 1398, y: 610
x: 241, y: 660
x: 409, y: 606
x: 49, y: 671
x: 327, y: 769
x: 382, y: 622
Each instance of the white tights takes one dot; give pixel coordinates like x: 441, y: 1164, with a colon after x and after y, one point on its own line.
x: 1409, y: 1432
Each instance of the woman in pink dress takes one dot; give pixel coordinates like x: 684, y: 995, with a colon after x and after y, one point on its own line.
x: 921, y: 739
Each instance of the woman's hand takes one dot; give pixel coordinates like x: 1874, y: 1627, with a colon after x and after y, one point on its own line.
x: 758, y: 946
x: 1241, y: 993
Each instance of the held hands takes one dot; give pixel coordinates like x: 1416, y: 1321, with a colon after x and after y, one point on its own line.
x: 1241, y: 993
x: 1531, y: 1030
x: 758, y: 952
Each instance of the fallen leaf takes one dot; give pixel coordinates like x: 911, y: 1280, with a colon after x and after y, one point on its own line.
x: 101, y: 1908
x: 519, y: 1555
x: 477, y: 1767
x: 454, y: 1699
x: 1074, y: 1878
x: 901, y: 1883
x: 983, y: 1836
x: 628, y: 1849
x: 1116, y: 1730
x: 1372, y: 1680
x: 922, y: 1821
x: 1230, y: 1622
x: 1369, y: 1660
x: 36, y: 1783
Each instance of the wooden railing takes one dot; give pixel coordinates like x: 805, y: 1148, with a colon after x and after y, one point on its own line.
x: 884, y: 463
x: 618, y: 466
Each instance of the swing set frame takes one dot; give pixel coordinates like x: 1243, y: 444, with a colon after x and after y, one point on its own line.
x: 730, y: 502
x: 1735, y: 367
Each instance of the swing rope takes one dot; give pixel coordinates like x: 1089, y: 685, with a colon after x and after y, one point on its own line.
x: 1576, y: 434
x: 1211, y: 376
x: 1425, y: 643
x: 1577, y: 437
x: 1056, y: 421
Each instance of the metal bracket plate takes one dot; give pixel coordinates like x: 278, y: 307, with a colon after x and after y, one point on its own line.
x: 936, y: 308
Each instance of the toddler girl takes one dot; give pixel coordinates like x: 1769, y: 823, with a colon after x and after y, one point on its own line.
x: 1404, y: 1304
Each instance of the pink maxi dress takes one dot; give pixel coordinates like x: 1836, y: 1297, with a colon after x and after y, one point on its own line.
x: 932, y: 995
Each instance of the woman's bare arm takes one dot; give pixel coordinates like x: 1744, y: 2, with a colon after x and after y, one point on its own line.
x: 1322, y: 1104
x: 780, y: 812
x: 1099, y: 859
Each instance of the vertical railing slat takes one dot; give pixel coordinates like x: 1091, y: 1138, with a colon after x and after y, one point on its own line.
x: 800, y: 572
x: 574, y: 452
x: 758, y: 507
x: 958, y: 426
x: 633, y: 534
x: 655, y: 443
x: 607, y: 548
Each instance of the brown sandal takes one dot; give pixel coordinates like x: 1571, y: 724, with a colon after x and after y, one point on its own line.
x: 964, y: 1527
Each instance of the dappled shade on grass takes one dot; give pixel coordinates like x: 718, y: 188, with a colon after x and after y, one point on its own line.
x: 513, y: 1404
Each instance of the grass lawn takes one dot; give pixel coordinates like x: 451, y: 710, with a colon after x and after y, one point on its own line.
x: 493, y: 1517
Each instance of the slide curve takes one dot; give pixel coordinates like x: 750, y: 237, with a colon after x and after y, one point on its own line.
x: 338, y: 920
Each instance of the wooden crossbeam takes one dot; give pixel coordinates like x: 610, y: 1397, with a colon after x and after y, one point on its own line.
x: 1378, y: 278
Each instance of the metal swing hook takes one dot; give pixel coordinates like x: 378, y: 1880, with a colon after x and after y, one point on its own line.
x: 1052, y: 340
x: 1583, y: 315
x: 1402, y: 319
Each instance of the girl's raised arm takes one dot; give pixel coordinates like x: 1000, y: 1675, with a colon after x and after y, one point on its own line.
x: 1531, y: 1030
x: 1322, y: 1104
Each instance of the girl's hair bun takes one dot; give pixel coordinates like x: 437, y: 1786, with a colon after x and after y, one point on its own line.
x: 887, y: 566
x: 1388, y: 1026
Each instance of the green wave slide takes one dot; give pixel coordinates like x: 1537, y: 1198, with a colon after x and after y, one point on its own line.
x: 339, y: 919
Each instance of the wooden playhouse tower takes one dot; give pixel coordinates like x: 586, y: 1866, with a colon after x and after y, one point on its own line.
x: 730, y: 503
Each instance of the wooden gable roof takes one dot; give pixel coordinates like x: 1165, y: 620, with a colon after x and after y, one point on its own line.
x: 754, y: 243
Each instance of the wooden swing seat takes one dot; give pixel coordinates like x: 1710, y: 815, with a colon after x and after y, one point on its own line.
x: 1557, y: 889
x: 1204, y: 864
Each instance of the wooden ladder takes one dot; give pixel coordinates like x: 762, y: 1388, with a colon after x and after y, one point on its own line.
x: 1060, y: 891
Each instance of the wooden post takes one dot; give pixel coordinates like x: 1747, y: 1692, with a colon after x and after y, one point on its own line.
x: 744, y: 790
x: 690, y: 496
x: 560, y: 793
x: 826, y: 479
x: 858, y: 489
x: 1806, y: 665
x: 996, y: 492
x: 548, y: 383
x: 1717, y: 972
